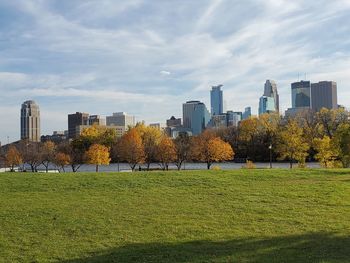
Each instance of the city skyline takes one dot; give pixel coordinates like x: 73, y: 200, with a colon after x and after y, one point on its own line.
x: 70, y: 59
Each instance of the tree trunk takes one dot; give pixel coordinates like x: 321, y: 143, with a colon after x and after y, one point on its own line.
x: 96, y: 168
x: 291, y: 164
x: 208, y: 165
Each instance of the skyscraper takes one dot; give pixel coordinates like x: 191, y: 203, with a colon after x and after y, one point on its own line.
x: 301, y: 94
x: 270, y: 90
x: 324, y: 95
x: 121, y: 119
x: 195, y: 116
x: 30, y: 121
x: 266, y: 105
x: 247, y: 113
x: 216, y: 100
x: 75, y: 120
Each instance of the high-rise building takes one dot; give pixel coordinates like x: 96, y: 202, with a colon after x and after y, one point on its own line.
x: 195, y: 116
x: 266, y: 105
x: 121, y: 119
x: 96, y: 120
x: 30, y: 121
x: 216, y: 100
x: 324, y: 95
x: 247, y: 113
x: 270, y: 90
x: 75, y: 120
x: 301, y: 94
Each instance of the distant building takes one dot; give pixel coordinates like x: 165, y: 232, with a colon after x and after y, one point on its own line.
x: 195, y: 116
x: 30, y: 121
x: 121, y: 119
x: 266, y: 105
x: 120, y: 130
x: 174, y: 132
x: 293, y: 112
x: 301, y: 94
x: 216, y: 100
x: 324, y: 95
x: 233, y: 118
x: 247, y: 113
x: 56, y: 137
x: 173, y: 122
x: 270, y: 90
x: 96, y: 120
x: 75, y: 120
x: 158, y: 126
x: 218, y: 121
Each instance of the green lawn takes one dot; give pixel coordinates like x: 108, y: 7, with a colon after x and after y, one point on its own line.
x: 192, y: 216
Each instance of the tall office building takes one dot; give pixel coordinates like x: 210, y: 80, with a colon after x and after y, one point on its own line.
x: 247, y: 113
x: 216, y: 100
x: 195, y: 116
x: 75, y: 120
x: 96, y: 120
x: 324, y: 95
x: 270, y: 90
x: 301, y: 94
x: 266, y: 105
x: 121, y: 119
x: 233, y: 118
x: 30, y: 121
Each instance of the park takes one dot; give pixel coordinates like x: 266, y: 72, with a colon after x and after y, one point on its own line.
x: 244, y: 215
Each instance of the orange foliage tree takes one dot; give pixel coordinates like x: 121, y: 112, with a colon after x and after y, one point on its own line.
x: 98, y: 154
x: 131, y: 148
x: 13, y: 157
x: 62, y: 159
x: 209, y: 149
x: 166, y: 152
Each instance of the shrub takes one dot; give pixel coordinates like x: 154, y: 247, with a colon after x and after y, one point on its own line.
x: 249, y: 165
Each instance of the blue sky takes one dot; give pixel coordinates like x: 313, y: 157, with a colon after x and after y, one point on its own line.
x: 147, y: 57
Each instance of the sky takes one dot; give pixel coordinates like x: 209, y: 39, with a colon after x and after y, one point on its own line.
x: 147, y: 57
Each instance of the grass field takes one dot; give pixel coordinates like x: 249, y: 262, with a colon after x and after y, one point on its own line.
x: 192, y: 216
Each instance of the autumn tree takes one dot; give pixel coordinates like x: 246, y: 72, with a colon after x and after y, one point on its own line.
x: 30, y: 152
x: 331, y: 119
x: 13, y: 158
x: 150, y: 138
x: 98, y: 155
x: 166, y: 152
x: 292, y: 144
x: 327, y: 152
x: 75, y: 152
x: 183, y: 147
x: 47, y: 151
x: 248, y: 136
x: 342, y: 142
x: 61, y: 160
x: 209, y: 149
x: 131, y: 148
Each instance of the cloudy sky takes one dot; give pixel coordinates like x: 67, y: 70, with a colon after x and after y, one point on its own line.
x: 147, y: 57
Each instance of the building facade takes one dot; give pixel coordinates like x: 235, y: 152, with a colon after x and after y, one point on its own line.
x: 75, y: 120
x: 324, y: 95
x: 173, y: 122
x: 266, y: 105
x: 233, y: 118
x: 216, y: 100
x: 270, y: 90
x: 195, y: 116
x: 247, y: 113
x: 121, y: 119
x: 96, y: 120
x: 30, y: 121
x: 301, y: 94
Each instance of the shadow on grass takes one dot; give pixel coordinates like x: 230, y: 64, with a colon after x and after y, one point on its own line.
x: 315, y: 247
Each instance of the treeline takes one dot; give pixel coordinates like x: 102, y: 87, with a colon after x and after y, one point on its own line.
x: 139, y: 145
x: 322, y: 136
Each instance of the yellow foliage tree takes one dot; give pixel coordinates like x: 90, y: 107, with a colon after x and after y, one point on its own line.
x: 151, y: 137
x: 98, y: 155
x: 62, y: 159
x: 166, y: 152
x: 327, y: 152
x: 131, y: 148
x: 209, y: 149
x: 47, y: 152
x: 291, y: 144
x: 13, y: 158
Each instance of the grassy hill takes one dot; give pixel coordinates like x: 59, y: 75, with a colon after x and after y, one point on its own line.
x: 192, y: 216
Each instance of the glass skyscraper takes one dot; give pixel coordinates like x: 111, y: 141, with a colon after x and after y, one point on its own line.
x: 270, y: 90
x: 216, y: 100
x: 195, y: 116
x: 301, y: 94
